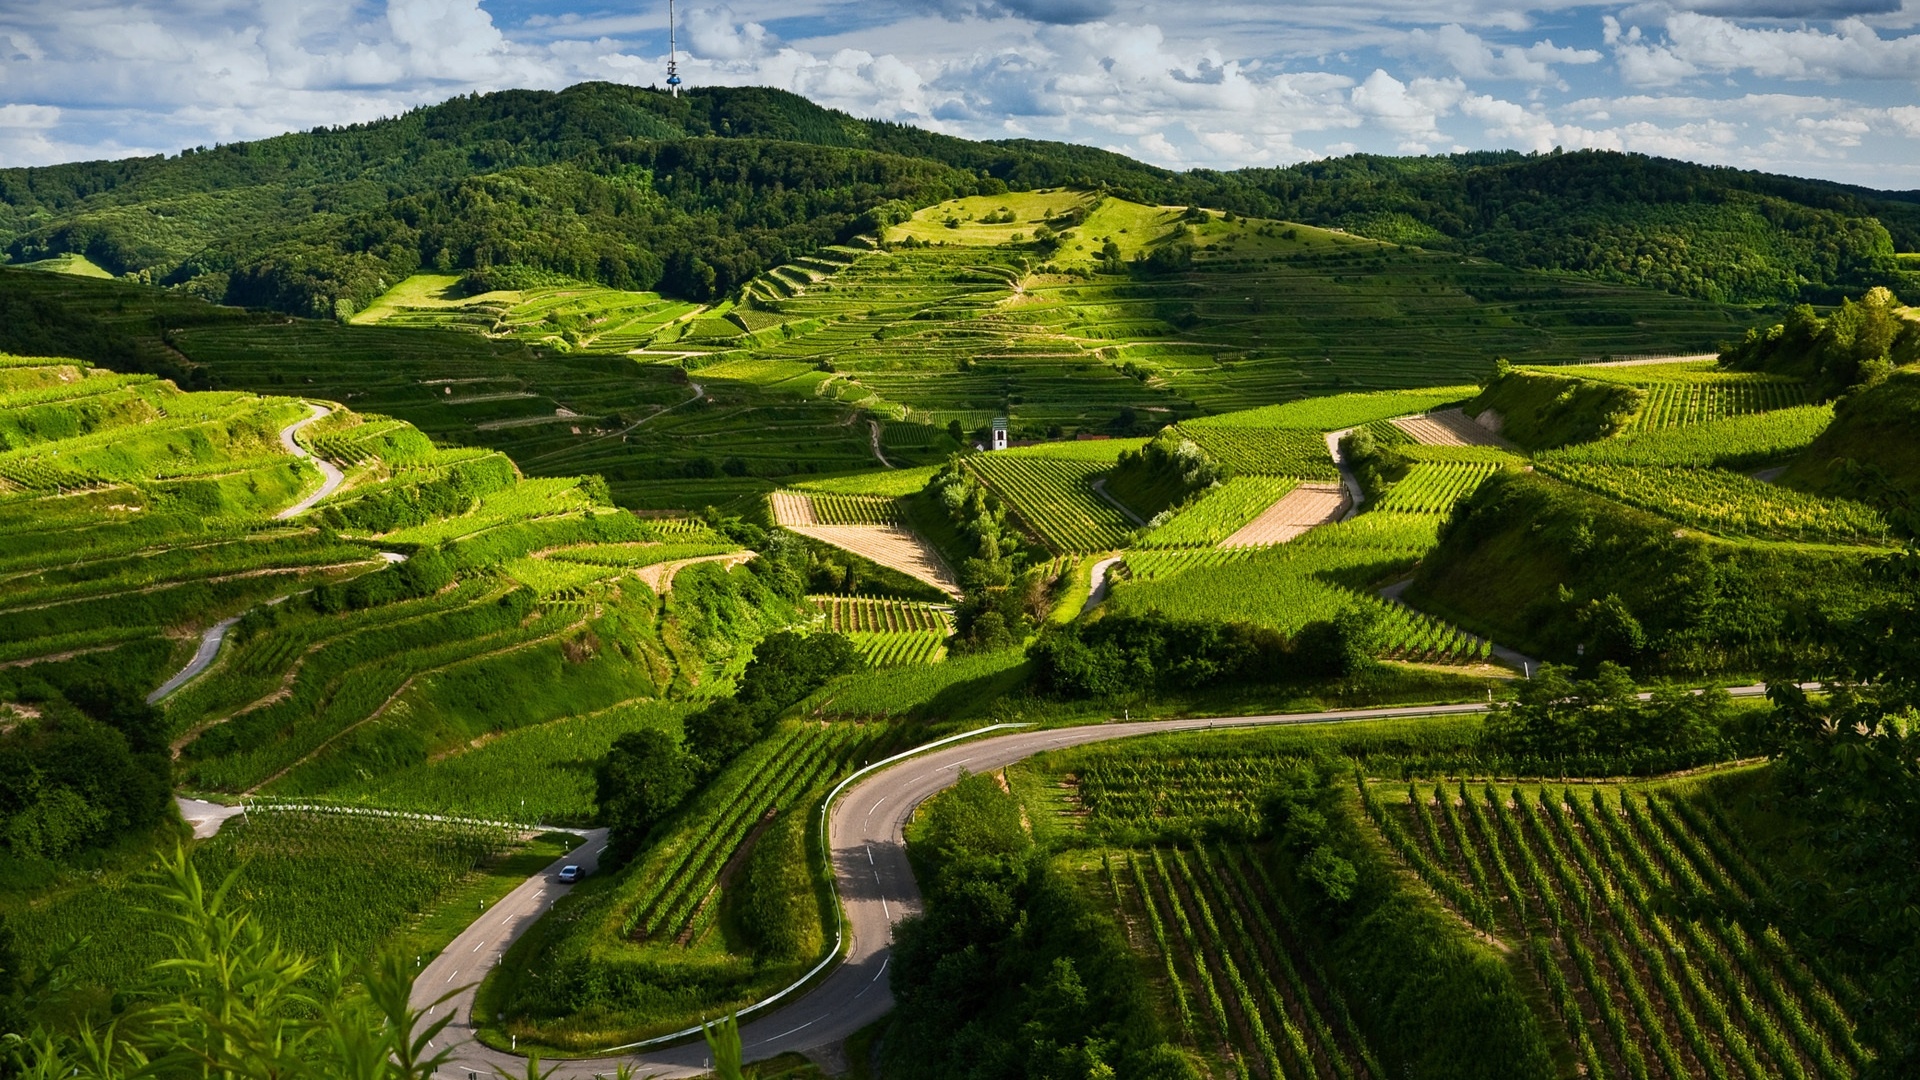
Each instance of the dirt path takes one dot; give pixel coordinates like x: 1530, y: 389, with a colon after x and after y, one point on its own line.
x: 331, y: 476
x: 792, y: 508
x: 1306, y: 507
x: 1098, y: 586
x: 659, y: 576
x: 1349, y: 482
x: 873, y: 435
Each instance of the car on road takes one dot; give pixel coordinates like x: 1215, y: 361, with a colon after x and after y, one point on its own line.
x: 569, y: 874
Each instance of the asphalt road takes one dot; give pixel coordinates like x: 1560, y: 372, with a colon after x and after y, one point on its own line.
x: 877, y: 889
x: 331, y: 476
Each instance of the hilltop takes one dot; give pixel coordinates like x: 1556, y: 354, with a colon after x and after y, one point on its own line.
x: 633, y: 188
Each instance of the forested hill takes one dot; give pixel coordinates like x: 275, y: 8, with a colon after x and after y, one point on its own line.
x: 695, y: 195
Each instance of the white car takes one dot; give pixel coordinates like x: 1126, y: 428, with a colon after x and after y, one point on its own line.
x: 569, y: 874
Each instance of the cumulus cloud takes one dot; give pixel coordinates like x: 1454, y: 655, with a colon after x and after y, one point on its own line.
x: 717, y: 34
x: 1239, y: 82
x: 1471, y: 56
x: 1695, y: 44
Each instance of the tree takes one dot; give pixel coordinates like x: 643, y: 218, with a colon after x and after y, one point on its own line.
x: 644, y: 777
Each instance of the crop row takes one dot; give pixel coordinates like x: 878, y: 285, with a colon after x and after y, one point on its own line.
x: 885, y: 650
x: 846, y: 614
x: 682, y: 871
x: 1266, y: 451
x: 1220, y: 512
x: 1672, y: 404
x: 1434, y: 488
x: 1735, y: 442
x: 1055, y: 499
x: 1728, y: 502
x: 1586, y: 878
x: 634, y: 556
x: 1219, y: 941
x: 854, y: 509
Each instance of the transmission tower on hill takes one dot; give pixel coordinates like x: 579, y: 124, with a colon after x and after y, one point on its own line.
x: 673, y: 54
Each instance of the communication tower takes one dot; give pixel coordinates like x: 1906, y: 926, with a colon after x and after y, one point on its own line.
x: 673, y: 54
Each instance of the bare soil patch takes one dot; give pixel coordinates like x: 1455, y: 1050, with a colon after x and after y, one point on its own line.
x: 890, y: 546
x: 1303, y: 508
x: 1447, y: 427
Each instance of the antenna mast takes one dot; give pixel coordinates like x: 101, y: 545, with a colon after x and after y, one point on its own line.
x: 673, y: 54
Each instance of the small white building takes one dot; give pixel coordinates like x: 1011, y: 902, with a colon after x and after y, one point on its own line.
x: 999, y: 433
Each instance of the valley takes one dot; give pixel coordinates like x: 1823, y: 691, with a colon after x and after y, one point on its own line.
x: 1366, y: 658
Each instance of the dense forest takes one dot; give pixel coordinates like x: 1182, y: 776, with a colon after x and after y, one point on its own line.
x: 695, y: 195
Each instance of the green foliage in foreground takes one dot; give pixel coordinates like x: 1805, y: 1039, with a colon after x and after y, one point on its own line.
x: 229, y: 1001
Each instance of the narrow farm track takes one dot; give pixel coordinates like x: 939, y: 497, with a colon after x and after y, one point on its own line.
x: 866, y: 835
x: 202, y: 658
x: 332, y: 476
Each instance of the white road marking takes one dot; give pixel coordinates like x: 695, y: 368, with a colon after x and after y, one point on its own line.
x: 477, y: 944
x: 876, y: 806
x: 869, y: 848
x: 789, y: 1031
x: 452, y: 974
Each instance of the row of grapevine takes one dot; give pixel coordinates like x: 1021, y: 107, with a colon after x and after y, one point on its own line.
x: 1240, y: 988
x: 1645, y: 987
x: 1434, y: 488
x: 1220, y: 512
x: 848, y: 614
x: 1261, y: 451
x: 675, y: 904
x: 1735, y: 442
x: 1673, y: 404
x: 1727, y: 502
x: 854, y: 509
x: 1055, y: 499
x: 899, y: 650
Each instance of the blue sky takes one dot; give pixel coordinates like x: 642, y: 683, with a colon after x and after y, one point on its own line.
x: 1826, y: 88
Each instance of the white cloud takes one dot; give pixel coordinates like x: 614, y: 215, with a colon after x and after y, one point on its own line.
x: 1473, y: 57
x: 713, y: 33
x: 1695, y: 44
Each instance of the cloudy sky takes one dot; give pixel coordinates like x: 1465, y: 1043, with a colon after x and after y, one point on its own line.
x: 1825, y: 88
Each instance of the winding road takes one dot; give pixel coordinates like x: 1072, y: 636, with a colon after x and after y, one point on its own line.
x: 331, y: 477
x: 202, y: 658
x: 867, y: 838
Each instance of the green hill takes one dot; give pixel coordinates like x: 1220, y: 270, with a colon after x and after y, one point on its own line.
x: 696, y: 195
x: 1868, y: 452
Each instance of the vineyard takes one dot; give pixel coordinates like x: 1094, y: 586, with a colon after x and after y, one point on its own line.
x: 1734, y: 443
x: 888, y: 633
x: 663, y: 909
x: 1729, y: 503
x: 1055, y: 499
x: 1299, y: 453
x: 1434, y: 488
x: 1315, y: 577
x: 1219, y: 513
x: 1240, y: 982
x: 1676, y: 404
x: 1639, y: 917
